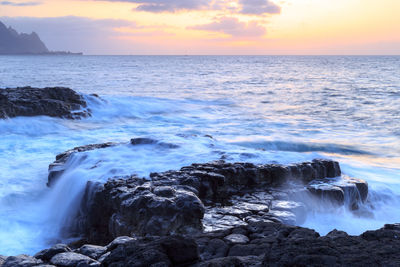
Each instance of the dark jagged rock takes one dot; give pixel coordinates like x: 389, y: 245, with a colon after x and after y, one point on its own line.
x: 275, y: 244
x: 218, y: 181
x: 339, y: 190
x: 164, y: 251
x: 134, y: 206
x: 54, y: 102
x: 256, y: 244
x: 337, y: 250
x: 245, y: 215
x: 150, y: 141
x: 173, y: 201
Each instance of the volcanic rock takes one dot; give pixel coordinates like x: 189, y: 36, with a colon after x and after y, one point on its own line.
x: 54, y: 102
x: 20, y: 261
x: 135, y: 207
x: 72, y: 259
x: 92, y: 251
x: 256, y: 244
x: 47, y: 254
x: 338, y: 190
x: 163, y: 251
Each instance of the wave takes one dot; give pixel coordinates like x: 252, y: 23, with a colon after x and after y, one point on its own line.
x: 303, y: 147
x: 138, y: 107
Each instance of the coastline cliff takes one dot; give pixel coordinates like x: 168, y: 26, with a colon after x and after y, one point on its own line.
x: 14, y: 43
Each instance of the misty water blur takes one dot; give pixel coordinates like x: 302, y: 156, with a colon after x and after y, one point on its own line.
x: 257, y: 109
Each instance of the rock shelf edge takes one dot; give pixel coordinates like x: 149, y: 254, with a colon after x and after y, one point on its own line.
x: 214, y: 214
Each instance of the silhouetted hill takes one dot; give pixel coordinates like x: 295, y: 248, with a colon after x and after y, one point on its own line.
x: 12, y: 42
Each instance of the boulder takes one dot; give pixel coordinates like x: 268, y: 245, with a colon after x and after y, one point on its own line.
x: 54, y: 102
x: 47, y: 254
x: 2, y: 260
x: 343, y: 190
x: 161, y: 251
x: 72, y: 259
x: 135, y: 207
x: 20, y: 261
x: 92, y: 251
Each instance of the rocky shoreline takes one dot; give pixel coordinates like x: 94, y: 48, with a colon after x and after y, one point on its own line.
x: 256, y: 244
x: 50, y: 101
x: 209, y: 214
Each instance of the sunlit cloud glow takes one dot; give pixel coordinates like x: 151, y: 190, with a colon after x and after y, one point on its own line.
x: 233, y: 27
x: 210, y: 26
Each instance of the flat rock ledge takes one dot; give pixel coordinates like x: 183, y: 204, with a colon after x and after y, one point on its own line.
x: 255, y: 244
x: 50, y: 101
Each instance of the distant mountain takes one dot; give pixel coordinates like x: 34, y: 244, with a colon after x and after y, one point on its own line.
x: 12, y: 42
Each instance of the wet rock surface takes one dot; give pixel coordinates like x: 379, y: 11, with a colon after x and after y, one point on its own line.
x: 54, y: 102
x: 339, y: 190
x: 211, y: 196
x: 256, y: 244
x: 134, y: 206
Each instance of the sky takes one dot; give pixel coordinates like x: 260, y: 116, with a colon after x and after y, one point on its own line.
x: 209, y: 27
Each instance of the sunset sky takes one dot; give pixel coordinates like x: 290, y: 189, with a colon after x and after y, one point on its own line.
x: 210, y: 26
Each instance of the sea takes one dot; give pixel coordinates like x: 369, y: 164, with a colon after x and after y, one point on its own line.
x: 260, y: 109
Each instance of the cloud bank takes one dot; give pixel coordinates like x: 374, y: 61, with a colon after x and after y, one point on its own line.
x: 248, y: 7
x: 166, y: 5
x: 258, y: 7
x: 12, y: 3
x: 233, y: 27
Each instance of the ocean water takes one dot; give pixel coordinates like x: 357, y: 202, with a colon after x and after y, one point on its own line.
x: 259, y: 109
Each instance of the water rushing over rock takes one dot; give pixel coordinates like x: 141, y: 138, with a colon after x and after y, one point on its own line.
x: 210, y: 196
x: 209, y: 214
